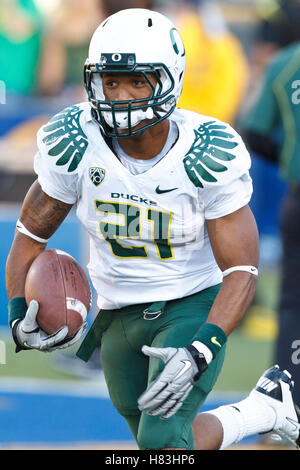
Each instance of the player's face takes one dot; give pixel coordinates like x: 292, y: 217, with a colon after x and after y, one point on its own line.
x: 124, y: 86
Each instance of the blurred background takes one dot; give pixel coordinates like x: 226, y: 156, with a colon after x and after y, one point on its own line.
x: 229, y: 46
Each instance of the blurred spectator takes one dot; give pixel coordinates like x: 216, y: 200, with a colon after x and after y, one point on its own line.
x: 272, y: 130
x: 216, y: 71
x: 65, y: 48
x: 20, y: 42
x: 279, y: 22
x: 278, y: 26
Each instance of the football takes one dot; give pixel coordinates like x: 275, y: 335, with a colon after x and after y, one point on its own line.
x: 60, y: 286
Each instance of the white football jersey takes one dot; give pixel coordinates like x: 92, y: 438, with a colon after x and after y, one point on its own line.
x: 147, y: 231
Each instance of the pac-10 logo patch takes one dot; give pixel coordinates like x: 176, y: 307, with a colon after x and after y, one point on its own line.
x: 97, y: 175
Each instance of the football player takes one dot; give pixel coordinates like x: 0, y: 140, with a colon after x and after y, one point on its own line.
x: 163, y: 194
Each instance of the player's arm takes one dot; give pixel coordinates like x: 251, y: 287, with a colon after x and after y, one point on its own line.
x: 234, y: 240
x: 40, y: 216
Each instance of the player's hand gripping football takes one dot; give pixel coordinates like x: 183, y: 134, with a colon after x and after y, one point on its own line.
x: 183, y: 367
x: 28, y: 334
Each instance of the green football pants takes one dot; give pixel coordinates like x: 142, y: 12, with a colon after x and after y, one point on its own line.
x: 128, y: 371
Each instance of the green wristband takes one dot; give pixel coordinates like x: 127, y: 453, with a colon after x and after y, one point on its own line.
x: 17, y: 309
x: 212, y: 336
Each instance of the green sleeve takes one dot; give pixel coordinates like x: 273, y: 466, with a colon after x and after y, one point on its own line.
x: 263, y: 118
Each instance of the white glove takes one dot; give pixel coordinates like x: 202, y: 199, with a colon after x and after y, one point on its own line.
x: 28, y: 335
x: 167, y: 393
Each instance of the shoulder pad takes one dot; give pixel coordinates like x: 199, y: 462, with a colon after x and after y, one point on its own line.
x: 217, y: 155
x: 63, y: 138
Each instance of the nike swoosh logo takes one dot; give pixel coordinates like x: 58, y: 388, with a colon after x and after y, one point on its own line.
x: 293, y: 422
x: 214, y: 341
x: 162, y: 191
x: 187, y: 366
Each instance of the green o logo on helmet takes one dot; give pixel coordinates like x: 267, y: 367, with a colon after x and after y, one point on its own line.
x: 176, y: 42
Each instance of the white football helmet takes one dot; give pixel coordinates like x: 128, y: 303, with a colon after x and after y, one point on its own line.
x: 135, y: 40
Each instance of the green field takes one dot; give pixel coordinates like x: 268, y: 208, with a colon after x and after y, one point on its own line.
x: 245, y: 361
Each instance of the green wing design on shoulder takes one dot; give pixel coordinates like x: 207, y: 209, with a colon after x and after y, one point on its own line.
x: 70, y: 141
x: 212, y: 143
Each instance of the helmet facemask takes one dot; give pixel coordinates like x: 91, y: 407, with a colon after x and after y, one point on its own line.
x: 120, y: 118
